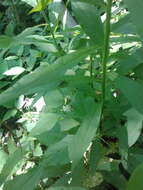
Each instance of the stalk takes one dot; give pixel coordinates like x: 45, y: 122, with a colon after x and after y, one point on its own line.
x: 15, y: 12
x: 91, y: 71
x: 61, y: 51
x: 106, y: 49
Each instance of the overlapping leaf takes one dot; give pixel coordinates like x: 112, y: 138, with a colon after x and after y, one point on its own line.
x: 136, y: 180
x: 44, y: 78
x: 89, y: 18
x: 135, y: 8
x: 132, y: 90
x: 134, y: 125
x: 85, y: 134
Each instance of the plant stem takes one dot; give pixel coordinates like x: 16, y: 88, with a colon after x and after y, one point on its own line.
x: 91, y: 70
x: 15, y: 12
x: 61, y: 51
x: 106, y: 49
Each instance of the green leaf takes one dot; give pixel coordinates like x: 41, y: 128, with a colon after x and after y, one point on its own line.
x: 124, y: 26
x: 96, y: 154
x: 45, y: 78
x: 46, y: 122
x: 3, y: 157
x: 134, y: 125
x: 68, y: 123
x: 85, y: 134
x: 41, y: 5
x: 5, y: 41
x: 51, y: 137
x: 135, y: 8
x: 53, y: 99
x: 93, y: 2
x: 128, y: 62
x: 31, y: 2
x: 57, y: 154
x: 22, y: 38
x: 11, y: 162
x: 25, y: 181
x: 66, y: 188
x: 132, y: 90
x: 122, y: 135
x: 136, y: 180
x: 89, y: 18
x: 9, y: 114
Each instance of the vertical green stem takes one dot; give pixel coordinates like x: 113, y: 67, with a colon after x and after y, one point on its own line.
x: 15, y: 12
x: 91, y: 71
x: 52, y: 33
x: 106, y: 48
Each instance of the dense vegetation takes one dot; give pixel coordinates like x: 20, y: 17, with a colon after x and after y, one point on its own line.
x: 71, y: 95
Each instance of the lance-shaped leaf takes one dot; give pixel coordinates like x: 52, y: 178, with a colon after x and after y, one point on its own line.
x: 46, y: 122
x: 45, y: 78
x: 26, y: 181
x: 89, y: 19
x: 134, y: 125
x: 41, y: 4
x: 11, y: 162
x: 136, y: 180
x: 132, y: 90
x: 135, y: 8
x: 85, y: 134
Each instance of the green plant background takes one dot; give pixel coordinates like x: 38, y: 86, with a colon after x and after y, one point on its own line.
x: 71, y: 95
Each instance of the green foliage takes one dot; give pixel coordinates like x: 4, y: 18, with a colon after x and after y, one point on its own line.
x: 136, y: 179
x: 86, y: 12
x: 71, y: 95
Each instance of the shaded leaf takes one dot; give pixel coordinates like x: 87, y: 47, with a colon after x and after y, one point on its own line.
x: 11, y: 162
x: 136, y: 180
x: 132, y: 90
x: 135, y: 8
x: 25, y: 181
x: 85, y: 134
x: 42, y: 78
x: 6, y: 41
x: 134, y: 125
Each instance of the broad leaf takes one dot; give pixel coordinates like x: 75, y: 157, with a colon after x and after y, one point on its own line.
x: 136, y: 180
x: 135, y: 8
x: 68, y: 123
x: 85, y: 134
x: 41, y: 5
x: 6, y: 41
x: 57, y: 154
x: 124, y: 26
x: 44, y: 78
x: 128, y: 62
x: 26, y: 181
x: 96, y: 154
x: 11, y: 162
x: 46, y: 122
x: 132, y: 90
x: 89, y: 18
x: 134, y: 125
